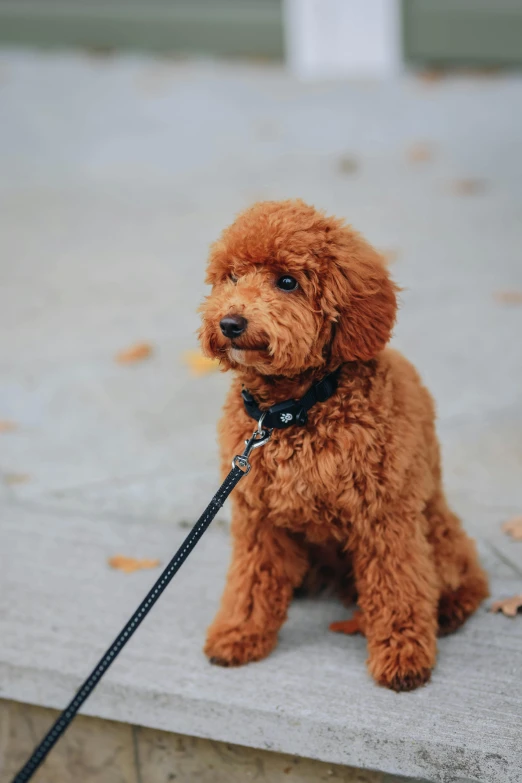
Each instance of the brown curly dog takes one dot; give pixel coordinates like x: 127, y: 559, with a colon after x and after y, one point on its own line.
x: 354, y: 497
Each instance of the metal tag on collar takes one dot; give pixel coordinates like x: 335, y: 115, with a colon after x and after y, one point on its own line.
x: 258, y: 438
x: 285, y: 414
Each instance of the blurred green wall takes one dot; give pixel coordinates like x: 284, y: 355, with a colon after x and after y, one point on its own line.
x: 251, y: 28
x: 444, y: 32
x: 463, y: 32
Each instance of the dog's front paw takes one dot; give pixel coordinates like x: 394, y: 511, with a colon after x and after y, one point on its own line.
x: 236, y: 645
x: 402, y: 663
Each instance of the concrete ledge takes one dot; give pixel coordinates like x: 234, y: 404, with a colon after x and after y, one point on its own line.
x: 101, y: 751
x: 60, y: 606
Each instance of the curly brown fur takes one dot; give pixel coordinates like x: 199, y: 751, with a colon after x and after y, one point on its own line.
x: 355, y: 496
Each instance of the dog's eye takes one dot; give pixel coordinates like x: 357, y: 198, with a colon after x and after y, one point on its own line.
x: 287, y: 283
x: 233, y: 278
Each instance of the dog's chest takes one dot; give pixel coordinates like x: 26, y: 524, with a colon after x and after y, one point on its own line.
x: 309, y: 483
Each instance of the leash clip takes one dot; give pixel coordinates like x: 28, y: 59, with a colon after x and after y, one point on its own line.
x: 258, y: 438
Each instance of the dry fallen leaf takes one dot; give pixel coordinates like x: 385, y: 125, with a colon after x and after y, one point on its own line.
x: 484, y: 72
x: 468, y: 187
x: 7, y: 426
x: 352, y: 626
x: 431, y: 75
x: 418, y: 153
x: 347, y: 164
x: 16, y: 478
x: 134, y: 353
x: 508, y: 297
x: 513, y: 527
x: 199, y: 364
x: 129, y: 564
x: 508, y: 606
x: 389, y: 256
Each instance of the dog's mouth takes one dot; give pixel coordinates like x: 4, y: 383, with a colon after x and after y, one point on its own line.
x: 245, y: 354
x: 256, y: 348
x: 238, y: 347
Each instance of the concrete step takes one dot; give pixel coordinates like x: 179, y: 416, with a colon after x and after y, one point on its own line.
x: 61, y: 605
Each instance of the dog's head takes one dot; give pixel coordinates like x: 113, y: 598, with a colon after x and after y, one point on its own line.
x: 293, y: 289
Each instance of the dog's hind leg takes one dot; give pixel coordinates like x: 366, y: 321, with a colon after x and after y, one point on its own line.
x: 463, y: 582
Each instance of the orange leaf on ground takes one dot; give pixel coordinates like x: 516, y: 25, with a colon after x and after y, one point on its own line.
x: 129, y: 564
x: 7, y: 426
x: 508, y: 606
x: 16, y: 478
x: 352, y: 626
x: 134, y: 353
x: 431, y: 76
x: 199, y: 364
x: 418, y: 153
x: 508, y: 297
x: 468, y: 187
x: 513, y: 527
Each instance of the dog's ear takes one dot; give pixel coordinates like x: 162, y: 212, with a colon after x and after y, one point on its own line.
x: 363, y: 301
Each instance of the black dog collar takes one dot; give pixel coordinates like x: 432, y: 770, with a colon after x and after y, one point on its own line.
x: 286, y: 414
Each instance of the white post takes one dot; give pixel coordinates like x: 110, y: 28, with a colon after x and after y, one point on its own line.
x: 343, y: 38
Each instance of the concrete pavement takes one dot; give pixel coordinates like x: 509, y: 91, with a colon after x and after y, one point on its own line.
x: 116, y: 174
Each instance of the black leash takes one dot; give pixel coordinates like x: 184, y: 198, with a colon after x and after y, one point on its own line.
x: 280, y: 416
x: 240, y: 467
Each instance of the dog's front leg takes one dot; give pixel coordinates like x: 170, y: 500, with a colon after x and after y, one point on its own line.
x: 398, y: 594
x: 266, y: 567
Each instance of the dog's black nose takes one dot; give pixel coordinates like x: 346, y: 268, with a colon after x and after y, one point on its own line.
x: 233, y: 325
